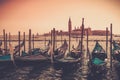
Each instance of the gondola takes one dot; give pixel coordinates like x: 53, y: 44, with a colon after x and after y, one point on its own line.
x: 30, y: 57
x: 116, y: 56
x: 33, y: 58
x: 116, y: 51
x: 73, y: 57
x: 58, y: 53
x: 97, y: 62
x: 76, y: 52
x: 7, y: 60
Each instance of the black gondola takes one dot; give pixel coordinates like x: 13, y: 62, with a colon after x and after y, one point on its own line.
x: 74, y: 56
x: 97, y: 63
x: 116, y: 51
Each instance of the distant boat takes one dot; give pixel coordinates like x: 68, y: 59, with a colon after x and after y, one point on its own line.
x: 116, y: 35
x: 97, y: 63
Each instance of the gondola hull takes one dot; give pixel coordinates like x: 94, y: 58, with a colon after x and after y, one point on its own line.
x: 99, y: 68
x: 30, y: 59
x: 5, y: 61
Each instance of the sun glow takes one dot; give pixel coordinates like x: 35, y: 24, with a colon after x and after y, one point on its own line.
x: 42, y: 16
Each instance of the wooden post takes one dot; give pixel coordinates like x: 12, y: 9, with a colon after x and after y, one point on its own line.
x: 45, y: 40
x: 69, y: 40
x: 111, y: 47
x: 107, y: 40
x: 33, y: 40
x: 70, y: 28
x: 53, y: 42
x: 69, y: 32
x: 29, y: 41
x: 82, y: 33
x: 4, y: 38
x: 19, y: 42
x: 9, y: 38
x: 88, y: 55
x: 61, y: 36
x: 24, y: 41
x: 51, y: 37
x: 54, y: 39
x: 6, y: 45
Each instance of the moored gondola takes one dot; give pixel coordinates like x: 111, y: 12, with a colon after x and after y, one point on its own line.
x: 116, y: 51
x: 97, y: 63
x: 116, y: 57
x: 70, y: 58
x: 32, y: 57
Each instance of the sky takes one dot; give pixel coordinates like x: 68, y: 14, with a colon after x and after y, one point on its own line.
x: 43, y: 15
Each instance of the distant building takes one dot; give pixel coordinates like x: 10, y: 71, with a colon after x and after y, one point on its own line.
x: 99, y: 32
x: 78, y: 30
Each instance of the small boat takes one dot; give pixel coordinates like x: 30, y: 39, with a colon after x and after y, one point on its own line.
x: 76, y: 52
x: 5, y: 57
x: 97, y: 63
x: 59, y: 52
x: 73, y: 57
x: 27, y: 58
x: 116, y: 51
x: 31, y: 58
x: 116, y: 57
x: 7, y: 60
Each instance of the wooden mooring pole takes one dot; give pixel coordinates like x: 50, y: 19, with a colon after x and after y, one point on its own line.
x: 88, y: 54
x: 111, y: 47
x: 45, y: 40
x: 30, y: 41
x: 61, y: 36
x: 82, y: 33
x: 24, y: 41
x: 6, y: 47
x: 33, y: 40
x: 51, y: 37
x: 54, y: 37
x: 107, y: 40
x: 9, y: 38
x: 52, y: 44
x: 19, y: 41
x: 4, y: 38
x: 70, y: 27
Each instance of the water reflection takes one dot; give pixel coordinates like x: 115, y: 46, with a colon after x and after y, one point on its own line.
x: 49, y: 71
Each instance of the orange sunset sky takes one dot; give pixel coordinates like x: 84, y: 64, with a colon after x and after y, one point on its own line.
x: 42, y: 15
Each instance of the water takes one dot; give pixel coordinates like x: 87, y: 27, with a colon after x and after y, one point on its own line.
x: 48, y: 71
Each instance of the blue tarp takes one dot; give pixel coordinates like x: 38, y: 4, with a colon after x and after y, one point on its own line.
x: 97, y: 61
x: 5, y: 57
